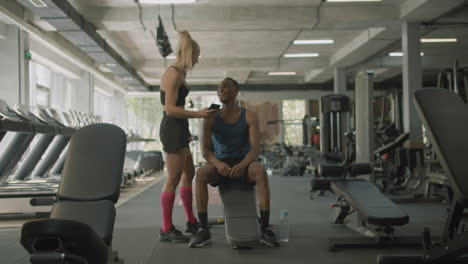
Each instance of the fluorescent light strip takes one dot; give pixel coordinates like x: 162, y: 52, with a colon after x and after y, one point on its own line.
x: 281, y: 73
x: 399, y: 54
x: 157, y: 2
x: 313, y: 41
x: 354, y: 0
x: 301, y: 55
x: 438, y: 40
x: 38, y: 3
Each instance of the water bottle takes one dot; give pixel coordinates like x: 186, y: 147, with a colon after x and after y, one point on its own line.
x: 269, y: 170
x: 284, y: 226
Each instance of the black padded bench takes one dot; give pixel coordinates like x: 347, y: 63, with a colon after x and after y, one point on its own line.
x: 362, y: 207
x: 373, y: 207
x: 445, y: 117
x: 81, y: 223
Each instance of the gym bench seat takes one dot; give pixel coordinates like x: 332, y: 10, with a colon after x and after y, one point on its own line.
x: 373, y: 207
x: 362, y: 207
x: 445, y: 117
x: 81, y: 223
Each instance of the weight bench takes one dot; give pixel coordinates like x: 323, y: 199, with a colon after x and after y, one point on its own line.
x: 445, y: 117
x: 240, y: 214
x: 363, y: 208
x: 81, y: 223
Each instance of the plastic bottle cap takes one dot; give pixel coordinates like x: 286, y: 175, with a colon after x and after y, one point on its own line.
x: 284, y: 213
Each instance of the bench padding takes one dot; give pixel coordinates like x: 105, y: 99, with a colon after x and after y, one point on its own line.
x: 99, y: 215
x: 445, y: 117
x: 94, y: 164
x: 373, y: 207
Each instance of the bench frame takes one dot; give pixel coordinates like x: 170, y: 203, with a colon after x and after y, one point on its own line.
x: 370, y: 235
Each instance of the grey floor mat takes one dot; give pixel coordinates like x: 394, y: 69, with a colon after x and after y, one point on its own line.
x: 138, y: 222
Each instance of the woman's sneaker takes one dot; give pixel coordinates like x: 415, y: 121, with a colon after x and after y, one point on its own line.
x: 173, y: 235
x: 192, y: 228
x: 201, y: 238
x: 268, y: 238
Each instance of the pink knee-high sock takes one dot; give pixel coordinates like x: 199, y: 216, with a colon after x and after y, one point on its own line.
x: 167, y: 203
x: 187, y: 200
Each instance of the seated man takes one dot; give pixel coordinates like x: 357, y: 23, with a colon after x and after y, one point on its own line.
x: 231, y: 145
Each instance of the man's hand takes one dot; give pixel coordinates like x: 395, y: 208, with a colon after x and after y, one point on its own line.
x: 223, y: 169
x: 237, y: 171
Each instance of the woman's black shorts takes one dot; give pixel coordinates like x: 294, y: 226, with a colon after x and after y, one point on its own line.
x: 174, y: 133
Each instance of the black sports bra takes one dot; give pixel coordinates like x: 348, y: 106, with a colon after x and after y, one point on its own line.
x: 183, y: 92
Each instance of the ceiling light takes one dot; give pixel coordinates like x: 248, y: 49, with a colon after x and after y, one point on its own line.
x: 127, y: 78
x: 313, y: 41
x: 301, y: 55
x: 38, y: 3
x: 110, y: 64
x: 435, y: 40
x: 399, y: 54
x: 354, y: 0
x: 281, y: 73
x: 166, y: 1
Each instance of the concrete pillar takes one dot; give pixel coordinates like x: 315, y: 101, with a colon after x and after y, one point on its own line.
x: 412, y: 77
x: 23, y: 40
x: 84, y: 93
x: 339, y: 81
x: 364, y: 92
x: 308, y: 129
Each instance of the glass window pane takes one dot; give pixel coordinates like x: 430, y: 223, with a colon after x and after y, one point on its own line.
x: 293, y: 114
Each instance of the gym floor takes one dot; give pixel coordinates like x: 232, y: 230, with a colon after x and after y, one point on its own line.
x: 138, y: 221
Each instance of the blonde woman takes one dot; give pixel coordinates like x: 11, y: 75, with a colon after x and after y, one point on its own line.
x: 175, y: 137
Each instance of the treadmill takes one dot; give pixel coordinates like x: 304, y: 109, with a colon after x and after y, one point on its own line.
x: 24, y: 131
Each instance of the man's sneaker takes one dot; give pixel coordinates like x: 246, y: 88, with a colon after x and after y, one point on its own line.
x: 173, y: 235
x: 201, y: 238
x: 268, y: 238
x: 192, y: 228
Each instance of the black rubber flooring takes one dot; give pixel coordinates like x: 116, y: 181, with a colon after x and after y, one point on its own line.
x: 138, y: 221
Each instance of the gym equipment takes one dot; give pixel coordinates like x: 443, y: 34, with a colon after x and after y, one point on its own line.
x: 327, y: 173
x: 362, y: 207
x: 387, y: 130
x: 399, y: 166
x: 334, y: 122
x: 447, y: 127
x: 240, y: 214
x: 81, y: 223
x: 370, y: 208
x: 455, y: 79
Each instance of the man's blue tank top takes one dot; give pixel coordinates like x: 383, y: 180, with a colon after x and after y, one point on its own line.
x: 231, y: 140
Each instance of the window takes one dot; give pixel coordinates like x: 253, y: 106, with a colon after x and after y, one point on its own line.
x: 293, y: 114
x: 49, y: 88
x: 42, y: 96
x: 144, y: 115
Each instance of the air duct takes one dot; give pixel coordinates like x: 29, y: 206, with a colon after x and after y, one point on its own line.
x: 73, y: 27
